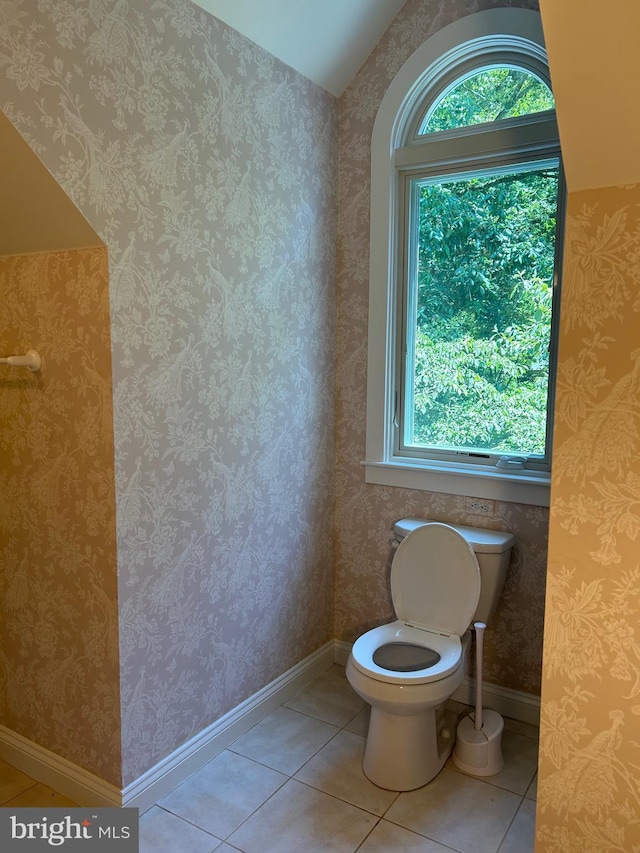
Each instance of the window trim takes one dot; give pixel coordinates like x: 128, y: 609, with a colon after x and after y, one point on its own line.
x: 467, y: 69
x: 515, y: 158
x: 494, y: 30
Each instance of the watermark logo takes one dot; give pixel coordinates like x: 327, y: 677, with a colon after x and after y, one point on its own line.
x: 33, y: 830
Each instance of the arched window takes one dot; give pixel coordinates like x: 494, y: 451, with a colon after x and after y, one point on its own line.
x: 474, y: 201
x: 485, y: 95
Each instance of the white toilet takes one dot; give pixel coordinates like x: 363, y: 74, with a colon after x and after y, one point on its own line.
x: 442, y: 577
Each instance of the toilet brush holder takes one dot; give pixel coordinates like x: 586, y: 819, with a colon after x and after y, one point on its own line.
x: 479, y: 752
x: 478, y: 747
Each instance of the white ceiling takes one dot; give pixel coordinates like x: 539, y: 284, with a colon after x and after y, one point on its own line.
x: 326, y: 40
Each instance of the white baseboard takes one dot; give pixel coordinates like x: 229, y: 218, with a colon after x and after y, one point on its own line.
x: 515, y: 704
x: 342, y: 652
x: 175, y: 768
x: 65, y: 777
x: 86, y: 789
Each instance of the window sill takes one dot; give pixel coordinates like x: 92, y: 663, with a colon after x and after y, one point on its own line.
x: 472, y: 481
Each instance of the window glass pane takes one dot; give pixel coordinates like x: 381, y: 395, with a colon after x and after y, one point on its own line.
x: 479, y: 315
x: 486, y: 96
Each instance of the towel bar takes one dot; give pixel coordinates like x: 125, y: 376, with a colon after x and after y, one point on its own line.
x: 31, y: 360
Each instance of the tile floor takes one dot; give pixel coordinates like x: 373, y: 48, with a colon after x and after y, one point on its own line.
x: 294, y: 782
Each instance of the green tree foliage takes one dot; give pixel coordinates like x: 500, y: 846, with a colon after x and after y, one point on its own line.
x: 489, y: 95
x: 485, y: 259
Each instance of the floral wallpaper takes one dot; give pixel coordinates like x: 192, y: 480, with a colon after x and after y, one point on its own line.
x: 211, y: 172
x: 365, y: 513
x: 209, y: 169
x: 588, y: 794
x: 58, y: 589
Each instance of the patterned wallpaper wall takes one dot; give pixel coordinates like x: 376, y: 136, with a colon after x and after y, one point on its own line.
x: 365, y: 513
x: 59, y: 681
x: 588, y: 793
x: 209, y: 170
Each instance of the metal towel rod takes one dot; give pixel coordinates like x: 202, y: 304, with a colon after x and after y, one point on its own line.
x: 31, y: 360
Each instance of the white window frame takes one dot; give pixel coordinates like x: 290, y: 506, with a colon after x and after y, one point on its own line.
x: 480, y: 34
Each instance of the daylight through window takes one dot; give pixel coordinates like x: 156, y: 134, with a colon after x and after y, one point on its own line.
x: 466, y: 229
x: 479, y: 200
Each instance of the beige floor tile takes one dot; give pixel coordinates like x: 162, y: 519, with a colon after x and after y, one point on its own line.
x: 39, y: 795
x: 360, y: 724
x: 521, y: 728
x: 389, y: 838
x: 520, y: 762
x: 457, y: 708
x: 457, y: 810
x: 243, y: 794
x: 299, y: 818
x: 12, y: 782
x: 520, y: 755
x: 532, y: 790
x: 521, y: 835
x: 223, y: 793
x: 337, y: 770
x: 163, y: 832
x: 284, y: 740
x: 330, y: 698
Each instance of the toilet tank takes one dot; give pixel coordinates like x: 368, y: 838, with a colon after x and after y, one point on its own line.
x: 493, y: 551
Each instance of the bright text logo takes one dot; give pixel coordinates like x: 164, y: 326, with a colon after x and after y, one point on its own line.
x: 109, y: 830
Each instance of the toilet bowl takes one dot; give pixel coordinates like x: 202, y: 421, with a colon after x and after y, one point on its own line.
x: 407, y: 669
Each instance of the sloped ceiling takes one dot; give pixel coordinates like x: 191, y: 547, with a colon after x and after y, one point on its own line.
x: 36, y: 215
x: 326, y: 40
x: 595, y: 71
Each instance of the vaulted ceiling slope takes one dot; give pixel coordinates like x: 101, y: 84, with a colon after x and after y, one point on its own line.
x: 595, y: 69
x: 36, y: 215
x: 325, y: 40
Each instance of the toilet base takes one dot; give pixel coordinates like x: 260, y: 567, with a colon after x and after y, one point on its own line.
x: 406, y: 752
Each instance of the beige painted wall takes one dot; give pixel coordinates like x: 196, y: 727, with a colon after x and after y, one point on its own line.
x: 59, y: 664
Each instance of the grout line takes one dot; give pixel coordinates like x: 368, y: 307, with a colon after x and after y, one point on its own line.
x: 23, y: 791
x: 286, y: 777
x: 367, y: 836
x: 249, y: 816
x: 442, y: 844
x: 185, y: 820
x: 511, y: 823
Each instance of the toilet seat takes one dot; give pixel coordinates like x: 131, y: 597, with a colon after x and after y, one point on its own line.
x: 435, y: 588
x: 435, y: 579
x: 448, y: 647
x: 408, y: 669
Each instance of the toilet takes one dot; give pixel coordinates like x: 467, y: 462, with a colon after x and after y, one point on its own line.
x: 443, y: 576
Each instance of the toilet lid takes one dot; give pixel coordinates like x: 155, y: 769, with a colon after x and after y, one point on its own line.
x: 435, y: 579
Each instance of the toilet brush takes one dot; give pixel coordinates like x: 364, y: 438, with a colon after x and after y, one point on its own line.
x: 478, y: 747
